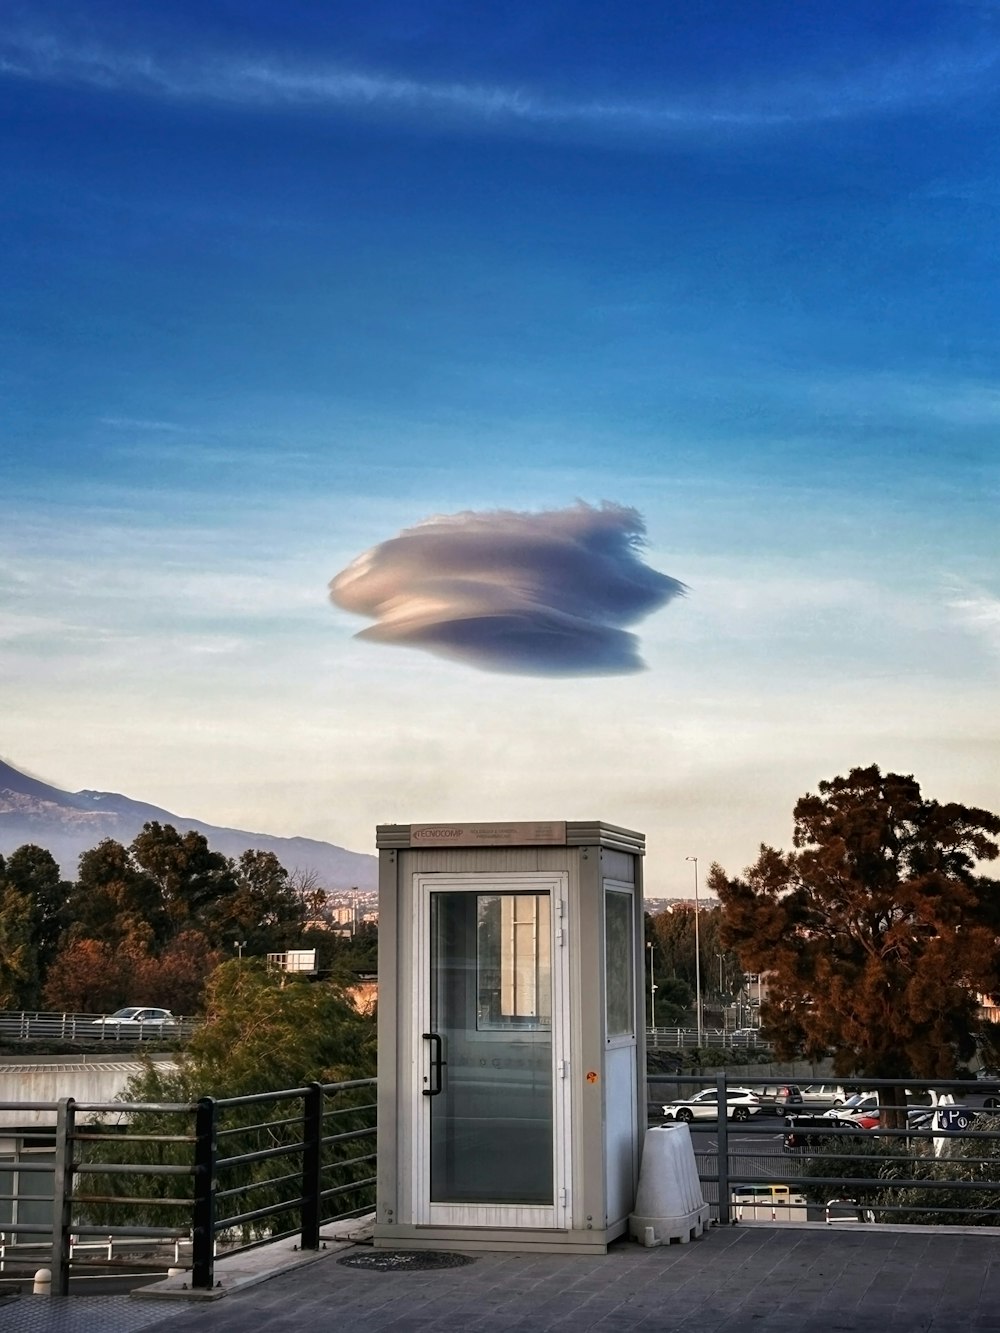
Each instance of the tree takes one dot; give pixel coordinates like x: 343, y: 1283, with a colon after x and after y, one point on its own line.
x: 262, y: 1032
x: 876, y: 933
x: 672, y: 936
x: 34, y: 872
x: 18, y: 960
x: 270, y: 1030
x: 190, y: 877
x: 263, y: 909
x: 113, y: 898
x: 88, y: 976
x: 175, y: 980
x: 672, y: 996
x: 32, y: 909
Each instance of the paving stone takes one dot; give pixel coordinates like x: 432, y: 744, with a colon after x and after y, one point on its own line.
x: 734, y: 1280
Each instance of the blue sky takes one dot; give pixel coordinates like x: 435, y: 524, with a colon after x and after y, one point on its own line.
x: 279, y: 283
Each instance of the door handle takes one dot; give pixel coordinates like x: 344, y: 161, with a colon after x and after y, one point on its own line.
x: 437, y: 1063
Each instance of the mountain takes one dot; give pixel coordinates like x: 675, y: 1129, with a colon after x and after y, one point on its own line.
x: 68, y: 823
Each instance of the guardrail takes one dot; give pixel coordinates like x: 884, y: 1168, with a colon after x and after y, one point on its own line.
x: 217, y: 1176
x: 942, y: 1166
x: 29, y: 1025
x: 671, y: 1039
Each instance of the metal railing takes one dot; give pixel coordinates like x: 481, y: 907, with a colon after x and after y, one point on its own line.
x: 941, y: 1165
x: 186, y: 1181
x: 676, y: 1039
x: 31, y: 1025
x: 88, y: 1185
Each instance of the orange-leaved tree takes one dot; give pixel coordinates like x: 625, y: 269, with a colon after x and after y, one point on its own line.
x: 876, y: 933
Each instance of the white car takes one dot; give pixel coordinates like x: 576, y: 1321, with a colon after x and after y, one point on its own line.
x: 824, y: 1094
x: 741, y: 1104
x: 137, y: 1021
x: 861, y: 1104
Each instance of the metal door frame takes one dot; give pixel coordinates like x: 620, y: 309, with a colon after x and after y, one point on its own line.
x: 426, y: 1213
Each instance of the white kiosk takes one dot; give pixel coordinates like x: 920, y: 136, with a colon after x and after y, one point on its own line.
x: 511, y: 1066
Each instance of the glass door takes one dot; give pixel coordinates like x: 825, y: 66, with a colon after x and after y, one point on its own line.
x: 492, y: 1081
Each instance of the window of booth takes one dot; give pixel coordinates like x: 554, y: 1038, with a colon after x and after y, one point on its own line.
x: 514, y: 955
x: 619, y: 964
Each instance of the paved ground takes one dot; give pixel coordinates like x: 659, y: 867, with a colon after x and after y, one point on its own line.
x: 749, y: 1279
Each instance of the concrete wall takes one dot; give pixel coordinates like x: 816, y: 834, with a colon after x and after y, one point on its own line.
x: 49, y: 1079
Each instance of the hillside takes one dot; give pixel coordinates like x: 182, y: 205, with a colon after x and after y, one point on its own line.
x: 69, y: 823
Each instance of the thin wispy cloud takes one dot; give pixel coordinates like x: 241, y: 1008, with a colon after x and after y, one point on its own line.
x: 956, y: 400
x: 262, y: 81
x: 527, y: 593
x: 141, y: 424
x: 978, y: 612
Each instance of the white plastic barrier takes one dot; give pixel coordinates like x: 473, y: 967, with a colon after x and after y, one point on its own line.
x: 669, y: 1205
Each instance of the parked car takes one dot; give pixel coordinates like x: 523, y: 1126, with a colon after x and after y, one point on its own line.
x: 824, y: 1094
x: 741, y: 1104
x: 811, y: 1131
x: 861, y: 1104
x: 136, y: 1021
x: 770, y: 1096
x: 789, y: 1099
x: 869, y: 1104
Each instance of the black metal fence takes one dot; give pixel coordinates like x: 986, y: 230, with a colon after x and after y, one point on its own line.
x: 88, y: 1185
x: 190, y: 1181
x: 929, y: 1155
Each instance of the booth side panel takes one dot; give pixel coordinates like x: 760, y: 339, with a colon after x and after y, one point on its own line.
x: 588, y: 1064
x: 387, y: 1201
x: 625, y: 1086
x: 621, y: 1146
x: 641, y: 1105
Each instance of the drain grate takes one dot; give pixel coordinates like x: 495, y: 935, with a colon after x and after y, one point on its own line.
x: 404, y: 1261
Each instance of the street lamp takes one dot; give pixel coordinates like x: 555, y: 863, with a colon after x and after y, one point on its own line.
x: 239, y: 945
x: 652, y: 988
x: 697, y: 949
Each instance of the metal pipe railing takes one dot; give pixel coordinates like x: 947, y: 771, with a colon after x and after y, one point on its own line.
x: 917, y: 1172
x: 186, y: 1175
x: 293, y: 1155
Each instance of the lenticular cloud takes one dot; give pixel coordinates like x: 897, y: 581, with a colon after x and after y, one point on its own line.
x: 535, y: 594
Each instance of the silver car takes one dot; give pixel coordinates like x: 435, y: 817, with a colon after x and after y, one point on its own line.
x: 136, y: 1021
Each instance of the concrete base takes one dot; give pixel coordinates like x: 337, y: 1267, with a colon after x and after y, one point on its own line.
x: 248, y: 1267
x: 467, y: 1240
x: 662, y: 1231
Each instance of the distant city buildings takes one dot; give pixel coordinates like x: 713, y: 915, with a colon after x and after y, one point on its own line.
x: 654, y: 906
x: 345, y: 910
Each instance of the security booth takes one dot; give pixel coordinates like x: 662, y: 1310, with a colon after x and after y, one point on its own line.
x: 511, y: 1065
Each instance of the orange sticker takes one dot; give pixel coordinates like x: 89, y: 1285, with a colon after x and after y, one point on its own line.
x: 591, y: 1075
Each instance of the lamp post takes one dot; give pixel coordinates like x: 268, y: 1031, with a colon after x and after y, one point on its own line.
x: 697, y: 950
x: 652, y: 988
x: 239, y: 945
